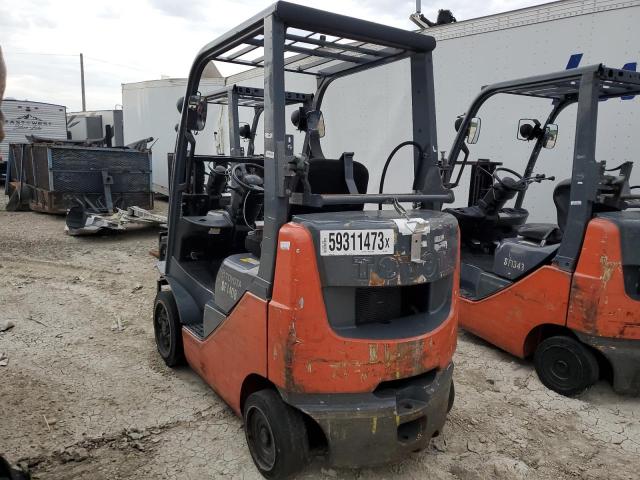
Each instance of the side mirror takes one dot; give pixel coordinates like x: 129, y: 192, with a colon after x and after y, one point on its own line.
x: 315, y: 121
x: 550, y: 135
x: 197, y: 113
x: 528, y: 129
x: 473, y: 133
x: 311, y: 120
x: 244, y: 131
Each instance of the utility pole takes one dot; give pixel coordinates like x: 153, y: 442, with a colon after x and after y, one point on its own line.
x: 84, y: 102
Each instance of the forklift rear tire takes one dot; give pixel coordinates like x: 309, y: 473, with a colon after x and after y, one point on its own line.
x: 167, y: 329
x: 452, y: 397
x: 276, y: 435
x: 565, y: 365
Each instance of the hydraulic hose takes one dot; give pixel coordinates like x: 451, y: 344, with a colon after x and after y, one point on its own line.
x: 390, y: 157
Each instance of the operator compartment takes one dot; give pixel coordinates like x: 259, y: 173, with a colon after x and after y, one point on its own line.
x: 384, y: 275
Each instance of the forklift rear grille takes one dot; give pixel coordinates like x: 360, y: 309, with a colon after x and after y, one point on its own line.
x: 398, y: 311
x: 378, y: 305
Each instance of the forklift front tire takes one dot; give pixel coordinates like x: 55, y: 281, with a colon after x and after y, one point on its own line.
x: 167, y: 329
x: 276, y: 435
x: 565, y: 365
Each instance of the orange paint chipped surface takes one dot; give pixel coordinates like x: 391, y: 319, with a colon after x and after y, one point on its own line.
x: 306, y: 355
x: 599, y: 304
x: 236, y: 349
x: 506, y: 318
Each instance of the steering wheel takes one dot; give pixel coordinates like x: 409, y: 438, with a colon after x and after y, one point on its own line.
x: 240, y: 171
x: 519, y: 185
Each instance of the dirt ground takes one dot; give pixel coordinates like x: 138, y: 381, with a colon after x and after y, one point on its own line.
x: 85, y: 395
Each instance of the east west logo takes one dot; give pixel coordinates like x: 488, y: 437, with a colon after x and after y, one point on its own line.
x: 26, y: 122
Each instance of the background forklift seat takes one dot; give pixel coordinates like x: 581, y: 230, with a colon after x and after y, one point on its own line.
x: 548, y: 233
x: 562, y: 200
x: 327, y: 177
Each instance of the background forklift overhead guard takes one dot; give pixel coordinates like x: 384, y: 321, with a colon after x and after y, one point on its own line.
x: 323, y: 324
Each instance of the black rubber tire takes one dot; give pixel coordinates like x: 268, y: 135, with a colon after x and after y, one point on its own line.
x: 167, y: 329
x: 565, y: 365
x: 276, y: 435
x: 8, y: 473
x: 452, y: 397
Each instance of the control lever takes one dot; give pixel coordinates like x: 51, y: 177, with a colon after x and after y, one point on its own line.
x: 539, y: 178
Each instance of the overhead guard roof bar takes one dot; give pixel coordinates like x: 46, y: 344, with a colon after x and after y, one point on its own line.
x: 560, y: 86
x: 252, y: 96
x: 366, y: 44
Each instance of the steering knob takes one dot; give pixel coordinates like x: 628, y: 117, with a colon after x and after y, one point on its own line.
x: 252, y: 179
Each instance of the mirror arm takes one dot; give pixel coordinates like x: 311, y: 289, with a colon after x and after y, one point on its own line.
x: 462, y: 164
x: 191, y: 140
x: 555, y: 111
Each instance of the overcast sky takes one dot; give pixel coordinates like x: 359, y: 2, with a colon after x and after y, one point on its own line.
x: 133, y: 40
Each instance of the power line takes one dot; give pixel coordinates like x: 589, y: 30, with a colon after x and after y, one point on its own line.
x: 76, y: 55
x: 10, y: 52
x: 117, y: 64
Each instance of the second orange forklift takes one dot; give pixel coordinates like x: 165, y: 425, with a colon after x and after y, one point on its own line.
x: 566, y: 294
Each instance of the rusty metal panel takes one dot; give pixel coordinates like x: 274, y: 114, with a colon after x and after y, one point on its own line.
x: 61, y: 176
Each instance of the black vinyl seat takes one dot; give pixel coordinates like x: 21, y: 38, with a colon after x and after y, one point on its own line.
x: 542, y: 233
x: 326, y: 176
x: 562, y: 201
x: 536, y: 244
x: 549, y: 233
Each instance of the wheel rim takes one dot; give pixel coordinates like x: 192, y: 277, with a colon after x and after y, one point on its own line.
x: 260, y: 439
x: 162, y: 329
x: 562, y: 367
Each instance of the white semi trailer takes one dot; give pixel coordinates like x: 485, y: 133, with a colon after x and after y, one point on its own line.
x: 23, y: 117
x: 469, y: 54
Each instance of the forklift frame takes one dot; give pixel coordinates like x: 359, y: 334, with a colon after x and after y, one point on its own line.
x: 586, y: 297
x: 359, y: 45
x: 585, y: 86
x: 235, y: 96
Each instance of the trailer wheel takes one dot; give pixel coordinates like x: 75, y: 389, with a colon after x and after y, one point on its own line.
x: 276, y: 435
x: 167, y: 329
x: 565, y: 365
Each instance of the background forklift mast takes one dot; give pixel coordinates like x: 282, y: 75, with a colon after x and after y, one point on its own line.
x: 324, y: 324
x: 566, y: 293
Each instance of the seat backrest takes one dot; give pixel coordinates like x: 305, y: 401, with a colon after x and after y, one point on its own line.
x: 562, y: 200
x: 327, y: 177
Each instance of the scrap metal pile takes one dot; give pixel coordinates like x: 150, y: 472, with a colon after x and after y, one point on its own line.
x: 52, y: 176
x: 82, y: 222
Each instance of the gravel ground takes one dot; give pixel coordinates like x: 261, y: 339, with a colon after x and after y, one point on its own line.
x: 85, y: 396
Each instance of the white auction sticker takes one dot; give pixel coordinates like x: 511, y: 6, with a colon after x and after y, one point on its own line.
x: 357, y: 242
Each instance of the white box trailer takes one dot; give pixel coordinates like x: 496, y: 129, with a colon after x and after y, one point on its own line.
x: 468, y: 55
x: 474, y: 53
x: 149, y: 110
x: 23, y: 117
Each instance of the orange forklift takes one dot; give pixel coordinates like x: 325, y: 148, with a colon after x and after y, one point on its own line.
x: 567, y: 293
x: 328, y: 327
